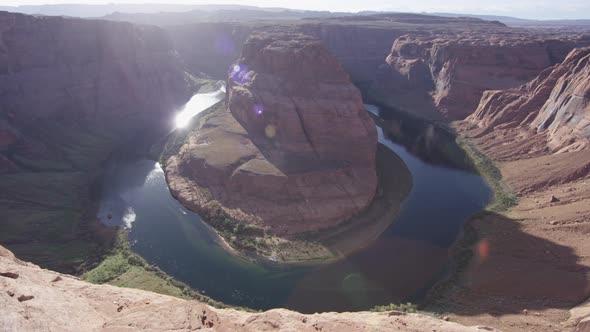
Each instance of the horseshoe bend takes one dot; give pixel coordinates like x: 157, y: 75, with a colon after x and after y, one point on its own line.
x: 237, y: 168
x: 290, y: 151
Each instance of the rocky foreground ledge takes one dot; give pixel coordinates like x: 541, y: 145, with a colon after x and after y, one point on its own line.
x: 34, y: 299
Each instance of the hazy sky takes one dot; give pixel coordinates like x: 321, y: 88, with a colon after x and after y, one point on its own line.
x: 541, y: 9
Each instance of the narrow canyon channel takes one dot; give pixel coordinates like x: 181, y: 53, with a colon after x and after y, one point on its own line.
x: 399, y: 266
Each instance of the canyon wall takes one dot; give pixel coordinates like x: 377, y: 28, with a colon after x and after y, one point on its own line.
x: 550, y: 114
x: 534, y: 255
x: 71, y: 93
x: 72, y: 74
x: 444, y: 75
x: 295, y: 149
x: 359, y: 43
x: 437, y: 67
x: 209, y: 48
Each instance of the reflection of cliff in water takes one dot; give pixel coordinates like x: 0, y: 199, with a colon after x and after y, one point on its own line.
x: 431, y: 142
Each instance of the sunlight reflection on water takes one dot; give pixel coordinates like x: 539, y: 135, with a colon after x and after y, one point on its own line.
x: 154, y: 174
x: 197, y: 104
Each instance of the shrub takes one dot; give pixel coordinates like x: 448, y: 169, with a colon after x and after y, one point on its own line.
x: 407, y: 307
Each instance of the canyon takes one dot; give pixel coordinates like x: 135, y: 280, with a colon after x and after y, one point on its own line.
x: 74, y: 93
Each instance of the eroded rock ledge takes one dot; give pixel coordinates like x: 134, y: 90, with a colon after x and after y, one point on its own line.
x: 293, y: 150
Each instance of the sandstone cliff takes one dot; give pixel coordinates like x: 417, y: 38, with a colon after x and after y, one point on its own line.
x: 359, y: 43
x: 71, y: 74
x: 295, y: 150
x: 71, y: 93
x: 33, y: 299
x: 444, y: 75
x: 535, y: 256
x: 549, y: 114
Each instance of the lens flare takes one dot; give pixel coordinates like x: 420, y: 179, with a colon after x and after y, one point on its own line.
x: 270, y: 131
x: 483, y: 249
x: 240, y: 74
x: 258, y: 109
x: 224, y: 45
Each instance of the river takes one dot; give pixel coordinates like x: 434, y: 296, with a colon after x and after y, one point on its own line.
x: 404, y: 261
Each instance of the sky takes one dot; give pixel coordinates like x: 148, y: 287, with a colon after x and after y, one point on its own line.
x: 532, y: 9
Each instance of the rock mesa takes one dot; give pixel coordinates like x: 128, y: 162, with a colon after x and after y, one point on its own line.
x: 292, y: 151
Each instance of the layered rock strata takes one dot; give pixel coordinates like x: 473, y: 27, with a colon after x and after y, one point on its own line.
x: 532, y: 264
x: 444, y: 75
x: 555, y: 107
x: 294, y: 150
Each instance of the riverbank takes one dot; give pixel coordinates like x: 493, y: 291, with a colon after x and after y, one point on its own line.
x: 123, y: 268
x: 523, y: 264
x: 461, y: 252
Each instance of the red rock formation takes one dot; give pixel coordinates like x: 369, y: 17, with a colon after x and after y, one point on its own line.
x: 554, y: 108
x: 447, y: 74
x: 538, y: 138
x: 295, y: 151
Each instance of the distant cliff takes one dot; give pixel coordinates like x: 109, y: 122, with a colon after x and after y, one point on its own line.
x: 552, y: 110
x: 359, y: 43
x: 445, y: 75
